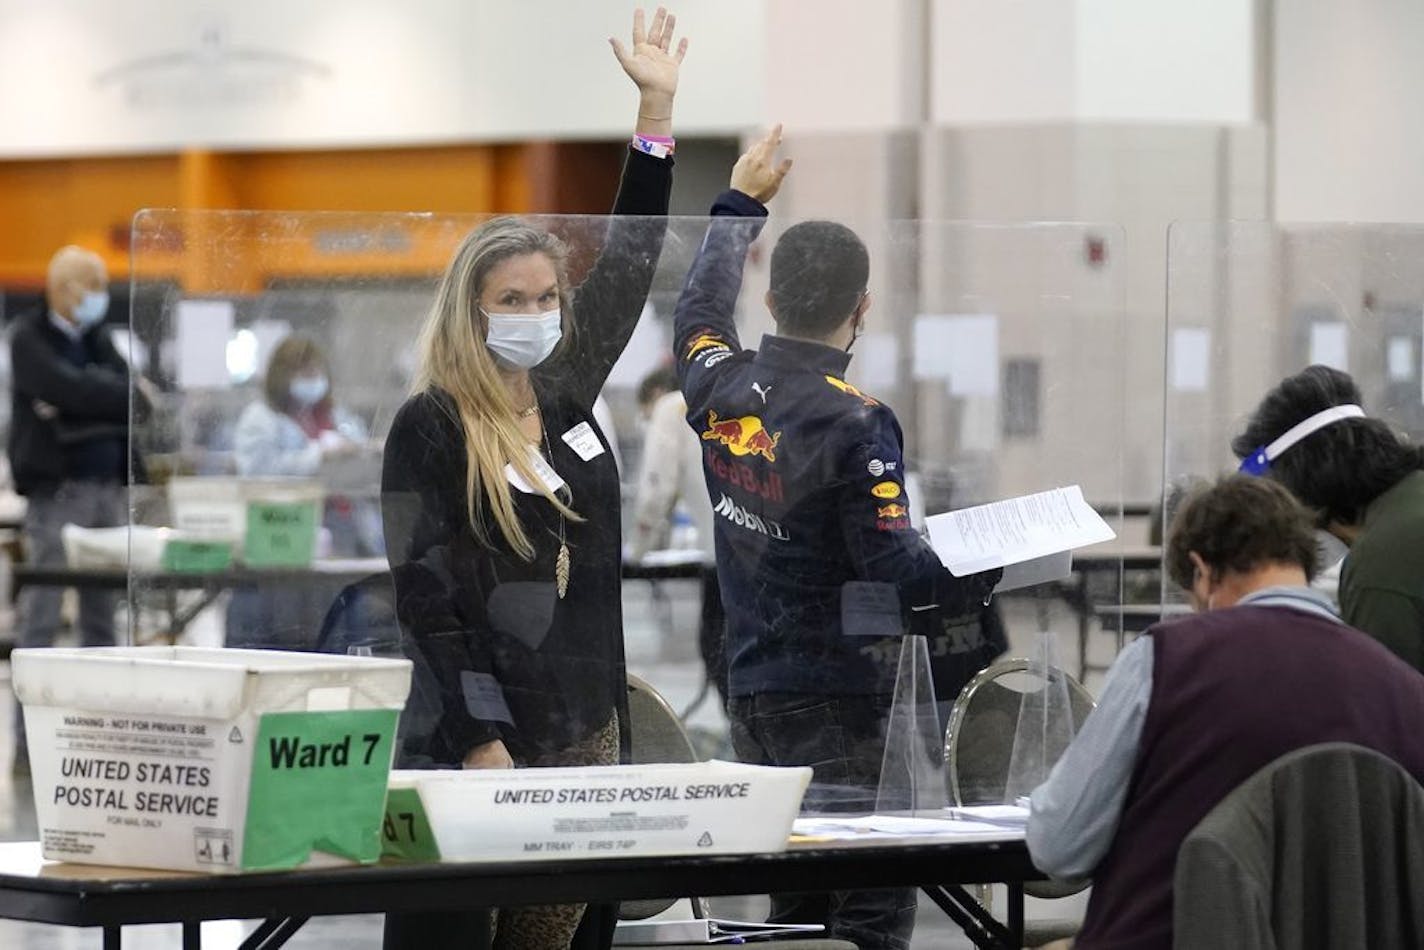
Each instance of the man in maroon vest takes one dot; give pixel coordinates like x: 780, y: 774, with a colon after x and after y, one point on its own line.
x: 1196, y: 706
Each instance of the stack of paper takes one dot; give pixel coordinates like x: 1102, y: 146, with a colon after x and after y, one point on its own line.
x: 1031, y: 537
x: 1006, y: 816
x: 831, y: 828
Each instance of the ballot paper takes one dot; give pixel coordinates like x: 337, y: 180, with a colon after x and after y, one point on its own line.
x: 868, y: 827
x: 1009, y: 816
x: 1031, y: 537
x: 652, y: 933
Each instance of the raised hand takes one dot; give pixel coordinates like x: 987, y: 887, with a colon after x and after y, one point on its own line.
x: 653, y: 65
x: 757, y: 173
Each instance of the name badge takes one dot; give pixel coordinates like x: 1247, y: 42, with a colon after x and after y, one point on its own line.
x: 542, y: 470
x: 583, y: 440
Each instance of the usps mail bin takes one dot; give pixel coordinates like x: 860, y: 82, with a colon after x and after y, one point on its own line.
x: 209, y: 760
x: 592, y: 812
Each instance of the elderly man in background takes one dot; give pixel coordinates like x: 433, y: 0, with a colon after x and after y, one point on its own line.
x: 1196, y: 706
x: 68, y: 441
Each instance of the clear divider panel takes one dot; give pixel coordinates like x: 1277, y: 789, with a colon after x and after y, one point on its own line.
x: 1011, y: 367
x: 650, y: 575
x: 1253, y: 304
x: 986, y: 364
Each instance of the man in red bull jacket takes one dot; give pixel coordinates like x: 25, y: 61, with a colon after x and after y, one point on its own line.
x: 812, y: 529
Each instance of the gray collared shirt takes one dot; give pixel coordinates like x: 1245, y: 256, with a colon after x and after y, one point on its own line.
x: 1074, y: 815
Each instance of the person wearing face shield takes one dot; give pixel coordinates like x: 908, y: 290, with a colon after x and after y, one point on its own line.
x: 70, y: 404
x: 298, y: 429
x: 500, y: 498
x: 1197, y: 705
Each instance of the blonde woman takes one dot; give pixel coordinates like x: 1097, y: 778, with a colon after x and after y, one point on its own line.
x: 501, y: 498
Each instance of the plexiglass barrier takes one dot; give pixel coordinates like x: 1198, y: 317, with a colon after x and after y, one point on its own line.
x: 1251, y: 303
x: 320, y: 387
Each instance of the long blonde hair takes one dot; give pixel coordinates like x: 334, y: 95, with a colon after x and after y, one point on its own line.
x: 453, y: 357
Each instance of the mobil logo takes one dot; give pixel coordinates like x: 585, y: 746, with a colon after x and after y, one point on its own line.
x: 742, y: 518
x: 745, y: 435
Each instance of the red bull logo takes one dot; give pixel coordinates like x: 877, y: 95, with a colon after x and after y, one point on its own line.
x: 892, y: 517
x: 742, y: 436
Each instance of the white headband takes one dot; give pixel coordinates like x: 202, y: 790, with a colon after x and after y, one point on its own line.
x: 1310, y: 426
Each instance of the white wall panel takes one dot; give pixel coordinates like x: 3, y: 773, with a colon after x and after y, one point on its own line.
x: 1349, y: 146
x: 89, y: 76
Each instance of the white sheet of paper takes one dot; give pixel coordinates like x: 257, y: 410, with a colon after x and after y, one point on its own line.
x: 1330, y: 344
x: 1039, y: 570
x: 1016, y: 530
x: 1399, y: 357
x: 581, y: 439
x: 203, y: 328
x: 894, y: 826
x: 962, y: 349
x: 997, y: 814
x: 1191, y: 359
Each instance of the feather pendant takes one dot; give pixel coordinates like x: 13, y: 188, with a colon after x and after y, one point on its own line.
x: 561, y: 570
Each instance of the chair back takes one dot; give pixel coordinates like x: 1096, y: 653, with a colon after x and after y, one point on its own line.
x: 979, y: 738
x: 1322, y: 848
x: 362, y: 614
x: 656, y: 735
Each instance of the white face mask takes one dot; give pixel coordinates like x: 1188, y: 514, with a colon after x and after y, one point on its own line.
x: 91, y: 307
x: 308, y: 390
x: 523, y: 341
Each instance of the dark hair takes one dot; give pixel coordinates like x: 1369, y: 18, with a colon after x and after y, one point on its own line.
x: 1238, y: 524
x: 288, y: 359
x: 660, y: 381
x: 1340, y: 469
x: 819, y: 271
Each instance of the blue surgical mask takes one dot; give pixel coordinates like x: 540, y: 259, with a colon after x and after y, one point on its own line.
x: 524, y: 341
x: 308, y: 390
x: 91, y: 308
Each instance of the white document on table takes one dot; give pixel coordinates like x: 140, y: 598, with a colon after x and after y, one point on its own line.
x: 1031, y: 537
x: 868, y: 827
x: 1010, y: 816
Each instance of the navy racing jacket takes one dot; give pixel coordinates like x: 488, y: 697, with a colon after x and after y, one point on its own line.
x: 811, y: 518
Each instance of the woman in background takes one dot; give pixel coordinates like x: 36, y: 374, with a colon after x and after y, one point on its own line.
x: 501, y: 498
x: 296, y: 425
x: 294, y: 430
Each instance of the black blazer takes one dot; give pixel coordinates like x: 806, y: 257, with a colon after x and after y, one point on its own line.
x: 55, y: 403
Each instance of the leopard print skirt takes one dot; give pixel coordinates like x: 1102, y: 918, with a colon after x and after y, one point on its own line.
x: 552, y: 926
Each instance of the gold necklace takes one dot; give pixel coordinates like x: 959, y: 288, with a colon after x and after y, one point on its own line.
x: 531, y: 411
x: 563, y: 563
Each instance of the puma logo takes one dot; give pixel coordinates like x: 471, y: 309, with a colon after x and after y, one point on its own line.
x: 756, y: 388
